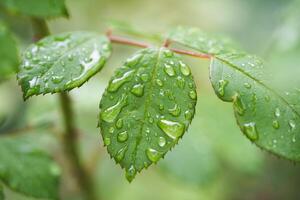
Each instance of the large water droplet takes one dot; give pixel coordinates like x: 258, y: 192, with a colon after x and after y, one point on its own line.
x: 173, y: 129
x: 169, y: 70
x: 110, y: 114
x: 239, y: 105
x: 117, y: 82
x: 185, y: 70
x: 193, y: 94
x: 221, y: 87
x: 130, y: 173
x: 162, y: 141
x: 120, y: 155
x: 123, y: 136
x: 138, y: 90
x: 175, y: 111
x: 250, y: 131
x: 275, y: 124
x: 107, y: 141
x: 153, y: 155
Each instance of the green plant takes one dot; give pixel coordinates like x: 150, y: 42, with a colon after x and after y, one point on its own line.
x: 149, y: 102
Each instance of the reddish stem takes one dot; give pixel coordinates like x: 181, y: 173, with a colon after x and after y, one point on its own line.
x: 121, y: 40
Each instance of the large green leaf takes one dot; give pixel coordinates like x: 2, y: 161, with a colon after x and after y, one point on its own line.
x: 268, y: 117
x: 26, y: 169
x: 8, y: 53
x: 146, y: 108
x: 62, y: 62
x: 37, y: 8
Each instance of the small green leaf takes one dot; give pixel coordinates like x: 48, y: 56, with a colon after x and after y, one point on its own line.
x: 267, y: 117
x: 146, y: 108
x: 62, y: 62
x: 26, y: 169
x: 37, y: 8
x: 9, y: 59
x: 202, y: 41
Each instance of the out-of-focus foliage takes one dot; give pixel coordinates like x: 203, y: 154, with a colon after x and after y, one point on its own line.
x: 37, y: 8
x: 8, y: 53
x: 27, y: 169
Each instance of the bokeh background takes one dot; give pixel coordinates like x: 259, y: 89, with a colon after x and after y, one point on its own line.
x: 214, y: 160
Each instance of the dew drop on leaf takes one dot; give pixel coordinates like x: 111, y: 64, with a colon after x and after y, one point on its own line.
x: 153, y: 155
x: 57, y: 79
x: 159, y: 82
x: 185, y: 70
x: 122, y: 136
x: 180, y: 82
x: 106, y: 141
x: 193, y: 94
x: 119, y: 123
x: 162, y: 141
x: 275, y: 124
x: 250, y: 131
x: 175, y: 111
x: 130, y: 173
x: 292, y: 124
x: 169, y: 70
x: 173, y: 129
x: 277, y: 112
x: 120, y: 155
x: 145, y: 77
x: 138, y: 90
x: 247, y: 85
x: 111, y: 113
x: 239, y: 105
x: 221, y: 87
x: 117, y: 82
x: 188, y: 115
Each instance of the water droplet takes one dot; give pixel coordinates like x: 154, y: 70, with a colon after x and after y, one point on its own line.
x: 222, y: 85
x: 145, y: 77
x: 117, y: 82
x: 107, y: 141
x: 193, y: 94
x: 188, y: 115
x: 123, y: 136
x: 275, y: 124
x: 119, y: 123
x: 120, y: 155
x: 292, y: 124
x: 161, y: 107
x: 180, y: 82
x: 175, y: 111
x: 173, y: 129
x: 247, y: 85
x: 70, y: 57
x: 130, y: 173
x: 111, y: 130
x: 57, y: 79
x: 153, y: 155
x: 277, y: 112
x: 162, y: 141
x: 169, y: 70
x: 239, y: 105
x: 159, y: 82
x: 151, y: 120
x: 138, y: 90
x: 185, y: 70
x: 250, y: 130
x: 110, y: 114
x: 131, y: 62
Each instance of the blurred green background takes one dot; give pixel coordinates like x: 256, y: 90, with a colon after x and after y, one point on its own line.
x: 214, y: 161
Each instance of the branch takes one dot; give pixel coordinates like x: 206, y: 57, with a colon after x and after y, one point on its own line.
x: 125, y: 41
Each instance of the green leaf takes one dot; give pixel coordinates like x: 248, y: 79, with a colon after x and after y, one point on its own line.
x: 62, y: 62
x: 37, y: 8
x: 268, y: 117
x: 146, y: 108
x: 26, y: 169
x: 9, y: 59
x: 202, y: 41
x: 1, y: 192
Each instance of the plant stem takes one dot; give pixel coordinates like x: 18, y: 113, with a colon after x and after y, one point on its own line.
x: 70, y: 143
x: 126, y: 41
